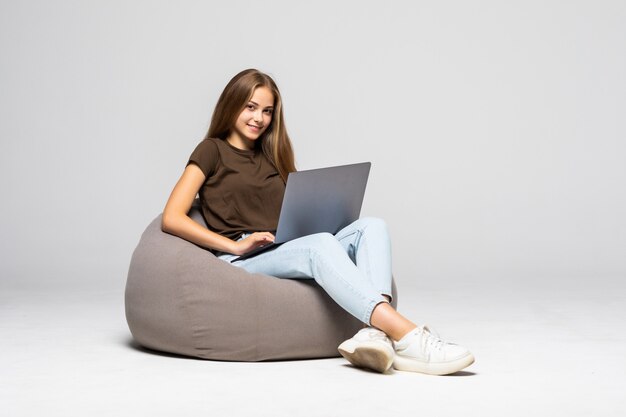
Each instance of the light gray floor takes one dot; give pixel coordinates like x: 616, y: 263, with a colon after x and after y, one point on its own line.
x: 540, y: 350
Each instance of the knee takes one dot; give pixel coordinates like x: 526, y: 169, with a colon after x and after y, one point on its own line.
x: 373, y: 223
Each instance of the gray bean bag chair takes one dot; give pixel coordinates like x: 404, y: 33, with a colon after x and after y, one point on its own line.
x: 182, y: 299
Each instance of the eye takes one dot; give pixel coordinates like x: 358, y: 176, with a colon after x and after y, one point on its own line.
x: 269, y: 111
x: 250, y: 106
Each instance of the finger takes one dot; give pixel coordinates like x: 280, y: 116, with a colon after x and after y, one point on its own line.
x: 263, y: 236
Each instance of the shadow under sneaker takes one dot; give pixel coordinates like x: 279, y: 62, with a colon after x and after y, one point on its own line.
x: 369, y: 348
x: 421, y: 350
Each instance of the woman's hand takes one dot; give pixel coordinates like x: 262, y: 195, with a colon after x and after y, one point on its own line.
x: 252, y: 242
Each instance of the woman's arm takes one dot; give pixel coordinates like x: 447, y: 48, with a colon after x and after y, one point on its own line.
x: 176, y: 221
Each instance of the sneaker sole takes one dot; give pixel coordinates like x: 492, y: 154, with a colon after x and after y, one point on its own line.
x: 367, y: 355
x: 440, y: 368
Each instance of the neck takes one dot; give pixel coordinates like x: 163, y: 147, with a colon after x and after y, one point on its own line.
x: 240, y: 143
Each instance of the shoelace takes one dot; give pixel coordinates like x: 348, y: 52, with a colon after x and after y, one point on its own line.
x: 430, y: 338
x: 375, y: 334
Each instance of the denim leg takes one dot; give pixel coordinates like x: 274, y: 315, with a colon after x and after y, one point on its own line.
x: 367, y: 243
x: 320, y: 256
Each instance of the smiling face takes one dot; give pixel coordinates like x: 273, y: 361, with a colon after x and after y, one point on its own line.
x: 253, y: 120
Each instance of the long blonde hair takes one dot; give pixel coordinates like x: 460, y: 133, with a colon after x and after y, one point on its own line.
x: 275, y: 141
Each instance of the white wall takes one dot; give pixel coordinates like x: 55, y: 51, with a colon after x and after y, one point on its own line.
x: 496, y: 129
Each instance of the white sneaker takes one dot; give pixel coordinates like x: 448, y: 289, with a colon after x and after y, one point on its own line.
x: 369, y: 348
x: 421, y: 350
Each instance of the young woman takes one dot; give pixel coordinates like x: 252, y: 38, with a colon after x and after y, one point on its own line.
x: 240, y: 170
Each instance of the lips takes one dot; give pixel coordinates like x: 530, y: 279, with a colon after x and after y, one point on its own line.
x: 255, y: 128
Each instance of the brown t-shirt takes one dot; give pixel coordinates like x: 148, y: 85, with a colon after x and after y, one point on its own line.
x: 243, y: 191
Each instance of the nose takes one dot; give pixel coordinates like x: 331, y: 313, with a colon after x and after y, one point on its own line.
x: 258, y: 115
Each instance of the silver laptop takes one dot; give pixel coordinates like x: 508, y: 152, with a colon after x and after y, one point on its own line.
x: 319, y: 200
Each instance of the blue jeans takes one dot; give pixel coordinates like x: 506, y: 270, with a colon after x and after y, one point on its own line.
x: 353, y: 266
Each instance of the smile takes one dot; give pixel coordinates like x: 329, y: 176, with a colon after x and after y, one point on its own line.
x: 255, y: 127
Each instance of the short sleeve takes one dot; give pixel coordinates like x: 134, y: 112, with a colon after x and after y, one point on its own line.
x: 206, y: 156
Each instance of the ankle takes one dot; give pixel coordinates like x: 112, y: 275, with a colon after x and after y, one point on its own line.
x: 405, y: 331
